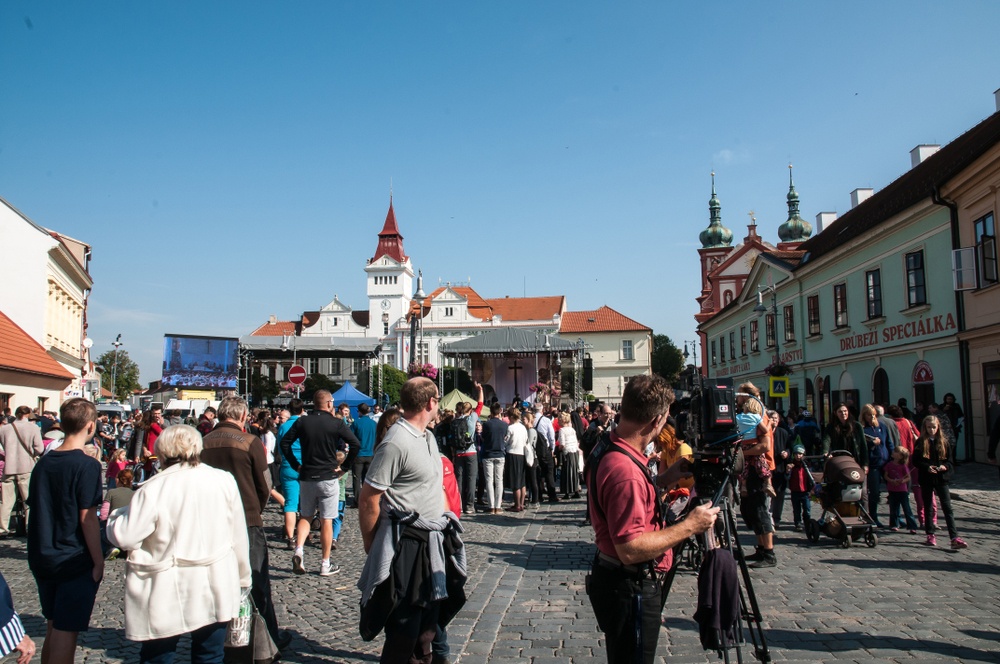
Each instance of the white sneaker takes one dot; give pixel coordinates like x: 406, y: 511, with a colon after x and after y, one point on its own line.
x: 326, y: 569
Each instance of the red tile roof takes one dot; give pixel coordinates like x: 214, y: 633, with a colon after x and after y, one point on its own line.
x: 390, y: 240
x: 508, y: 308
x: 276, y: 329
x: 604, y: 319
x: 528, y: 308
x: 19, y: 352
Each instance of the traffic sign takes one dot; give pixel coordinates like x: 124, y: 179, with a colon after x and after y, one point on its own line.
x: 297, y: 374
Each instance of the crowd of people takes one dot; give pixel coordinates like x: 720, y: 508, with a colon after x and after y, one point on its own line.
x: 184, y: 499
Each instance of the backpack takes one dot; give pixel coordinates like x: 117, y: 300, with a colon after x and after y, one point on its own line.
x: 457, y: 436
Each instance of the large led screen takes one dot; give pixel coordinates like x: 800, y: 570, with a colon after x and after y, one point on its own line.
x: 199, y: 362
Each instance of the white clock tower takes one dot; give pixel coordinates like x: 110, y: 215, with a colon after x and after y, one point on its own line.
x: 390, y: 282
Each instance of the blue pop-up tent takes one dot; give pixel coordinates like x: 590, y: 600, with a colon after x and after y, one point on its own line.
x: 352, y: 397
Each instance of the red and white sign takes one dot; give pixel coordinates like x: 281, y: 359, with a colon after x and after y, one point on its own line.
x: 297, y: 375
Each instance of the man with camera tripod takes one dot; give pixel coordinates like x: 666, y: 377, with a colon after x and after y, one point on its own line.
x: 625, y: 584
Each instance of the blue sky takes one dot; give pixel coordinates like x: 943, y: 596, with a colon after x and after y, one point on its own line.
x: 230, y: 160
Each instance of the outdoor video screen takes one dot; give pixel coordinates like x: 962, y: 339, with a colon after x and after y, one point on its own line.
x: 199, y: 362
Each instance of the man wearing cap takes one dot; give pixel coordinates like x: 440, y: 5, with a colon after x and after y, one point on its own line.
x: 467, y: 461
x: 21, y: 445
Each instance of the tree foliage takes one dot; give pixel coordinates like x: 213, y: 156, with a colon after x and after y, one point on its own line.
x: 458, y: 378
x: 392, y: 382
x: 125, y: 374
x: 318, y: 381
x: 263, y: 388
x: 668, y: 360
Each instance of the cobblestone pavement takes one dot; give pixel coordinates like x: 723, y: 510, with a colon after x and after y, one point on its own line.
x: 898, y: 602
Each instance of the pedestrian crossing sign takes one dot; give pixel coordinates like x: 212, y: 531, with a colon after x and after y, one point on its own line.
x: 778, y: 386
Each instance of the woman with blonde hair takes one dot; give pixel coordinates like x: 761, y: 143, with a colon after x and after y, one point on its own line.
x: 930, y: 456
x: 189, y: 555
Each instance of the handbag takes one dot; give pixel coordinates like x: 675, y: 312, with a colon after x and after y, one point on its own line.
x: 251, y: 642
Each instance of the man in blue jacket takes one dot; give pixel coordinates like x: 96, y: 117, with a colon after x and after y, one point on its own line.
x: 364, y: 429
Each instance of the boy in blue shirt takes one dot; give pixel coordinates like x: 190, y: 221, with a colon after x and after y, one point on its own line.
x: 64, y: 536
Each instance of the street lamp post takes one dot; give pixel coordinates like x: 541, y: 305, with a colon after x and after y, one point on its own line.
x: 381, y: 358
x: 114, y: 369
x: 762, y: 309
x: 284, y: 346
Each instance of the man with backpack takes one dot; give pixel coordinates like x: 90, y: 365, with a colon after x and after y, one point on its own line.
x: 461, y: 443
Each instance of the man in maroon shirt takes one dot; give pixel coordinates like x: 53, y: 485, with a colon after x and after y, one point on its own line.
x: 633, y: 549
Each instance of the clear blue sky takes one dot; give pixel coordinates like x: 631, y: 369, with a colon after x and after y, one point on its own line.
x: 230, y: 160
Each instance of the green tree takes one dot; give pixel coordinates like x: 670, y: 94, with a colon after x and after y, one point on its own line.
x: 392, y: 381
x: 122, y: 370
x: 263, y: 388
x: 318, y: 382
x: 668, y: 360
x: 458, y: 378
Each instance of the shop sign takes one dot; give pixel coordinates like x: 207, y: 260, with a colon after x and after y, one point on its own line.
x: 923, y: 374
x: 914, y: 329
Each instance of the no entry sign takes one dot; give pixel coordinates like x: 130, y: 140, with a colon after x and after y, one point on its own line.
x: 297, y: 375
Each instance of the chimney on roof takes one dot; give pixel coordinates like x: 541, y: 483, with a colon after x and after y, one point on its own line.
x: 824, y: 219
x: 920, y: 153
x: 272, y: 320
x: 859, y: 196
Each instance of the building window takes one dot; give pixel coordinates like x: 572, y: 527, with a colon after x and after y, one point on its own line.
x: 769, y: 330
x: 732, y: 345
x: 789, y: 316
x: 355, y: 367
x: 743, y: 341
x: 873, y: 287
x: 916, y: 290
x: 986, y: 250
x: 722, y: 348
x: 715, y: 358
x: 449, y: 311
x: 385, y: 329
x: 334, y: 366
x: 812, y: 305
x: 627, y: 353
x: 754, y: 337
x: 840, y: 305
x: 312, y: 365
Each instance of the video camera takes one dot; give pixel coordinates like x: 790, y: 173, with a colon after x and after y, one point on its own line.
x: 712, y: 433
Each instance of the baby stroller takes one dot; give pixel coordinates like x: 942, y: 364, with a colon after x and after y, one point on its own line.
x: 840, y: 490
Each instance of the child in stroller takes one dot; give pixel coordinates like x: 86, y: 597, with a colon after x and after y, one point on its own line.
x: 840, y: 491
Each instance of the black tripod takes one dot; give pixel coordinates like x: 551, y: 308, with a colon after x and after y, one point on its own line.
x: 715, y: 475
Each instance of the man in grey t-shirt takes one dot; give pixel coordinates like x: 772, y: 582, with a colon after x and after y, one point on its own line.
x: 406, y: 474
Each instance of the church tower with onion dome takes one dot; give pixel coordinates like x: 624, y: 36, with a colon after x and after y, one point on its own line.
x: 716, y: 246
x: 795, y: 229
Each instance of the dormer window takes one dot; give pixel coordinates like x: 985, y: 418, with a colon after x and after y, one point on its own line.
x: 449, y: 312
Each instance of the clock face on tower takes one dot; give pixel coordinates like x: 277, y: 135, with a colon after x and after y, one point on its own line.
x: 385, y: 305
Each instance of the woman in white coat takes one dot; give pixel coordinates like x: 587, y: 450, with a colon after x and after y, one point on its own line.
x: 189, y: 553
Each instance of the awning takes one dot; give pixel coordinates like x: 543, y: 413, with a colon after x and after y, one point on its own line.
x: 510, y: 341
x: 310, y: 346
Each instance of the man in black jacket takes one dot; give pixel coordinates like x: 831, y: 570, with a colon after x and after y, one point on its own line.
x: 321, y: 436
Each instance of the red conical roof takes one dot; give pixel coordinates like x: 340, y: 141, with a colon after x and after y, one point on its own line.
x: 390, y: 240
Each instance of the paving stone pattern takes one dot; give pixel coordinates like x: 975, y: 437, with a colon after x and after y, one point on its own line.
x: 898, y: 602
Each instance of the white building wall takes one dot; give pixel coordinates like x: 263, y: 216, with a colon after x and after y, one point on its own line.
x: 23, y: 271
x: 611, y: 369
